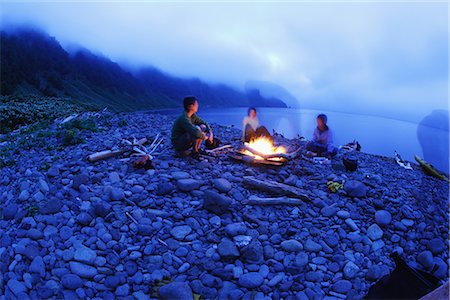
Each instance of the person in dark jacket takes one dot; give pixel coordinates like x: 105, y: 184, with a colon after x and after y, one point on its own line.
x: 189, y: 130
x: 322, y: 142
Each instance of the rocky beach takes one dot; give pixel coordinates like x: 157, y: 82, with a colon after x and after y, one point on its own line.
x: 72, y: 229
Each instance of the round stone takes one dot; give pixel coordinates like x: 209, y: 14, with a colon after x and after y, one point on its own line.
x: 222, y: 185
x: 65, y: 232
x: 291, y: 245
x: 342, y: 286
x: 251, y: 280
x: 180, y: 232
x: 425, y: 258
x: 383, y: 217
x: 71, y: 281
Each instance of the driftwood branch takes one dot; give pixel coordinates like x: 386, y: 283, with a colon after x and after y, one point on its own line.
x: 253, y: 219
x: 251, y: 160
x: 135, y: 146
x: 275, y: 188
x: 255, y: 200
x: 105, y: 154
x: 219, y: 148
x: 288, y: 156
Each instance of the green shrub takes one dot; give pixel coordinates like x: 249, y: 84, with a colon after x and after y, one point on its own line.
x: 71, y: 137
x: 33, y: 209
x: 6, y: 155
x: 82, y: 124
x: 19, y: 110
x: 122, y: 123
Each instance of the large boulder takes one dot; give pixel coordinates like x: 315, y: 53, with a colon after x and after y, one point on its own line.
x: 374, y: 232
x: 222, y: 185
x: 180, y: 232
x: 188, y: 184
x: 253, y: 252
x: 251, y: 280
x: 79, y: 180
x: 9, y: 212
x: 84, y: 254
x: 83, y: 270
x: 291, y: 245
x: 355, y: 188
x: 383, y: 217
x: 175, y: 290
x: 227, y: 249
x: 436, y: 246
x: 216, y: 203
x: 71, y: 281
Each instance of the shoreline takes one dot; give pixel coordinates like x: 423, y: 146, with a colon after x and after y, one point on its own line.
x: 157, y: 110
x: 73, y: 222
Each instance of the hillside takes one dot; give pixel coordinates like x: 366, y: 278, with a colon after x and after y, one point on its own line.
x: 35, y: 63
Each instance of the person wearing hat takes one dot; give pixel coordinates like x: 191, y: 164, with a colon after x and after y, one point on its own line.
x: 322, y: 141
x: 189, y: 130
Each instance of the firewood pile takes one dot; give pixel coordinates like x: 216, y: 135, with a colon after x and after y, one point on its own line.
x: 248, y: 154
x: 135, y: 150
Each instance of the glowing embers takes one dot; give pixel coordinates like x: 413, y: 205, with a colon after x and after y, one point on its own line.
x: 262, y: 151
x: 263, y: 148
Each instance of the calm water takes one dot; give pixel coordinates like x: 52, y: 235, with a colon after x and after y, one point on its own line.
x: 376, y: 135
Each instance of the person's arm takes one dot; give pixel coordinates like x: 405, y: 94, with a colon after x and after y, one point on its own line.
x: 244, y: 124
x: 330, y: 141
x: 198, y: 121
x: 315, y: 135
x: 191, y: 129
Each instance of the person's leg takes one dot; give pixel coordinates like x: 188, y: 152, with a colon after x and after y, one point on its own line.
x: 184, y: 143
x: 262, y: 131
x: 249, y: 133
x: 316, y: 148
x: 309, y: 146
x: 321, y: 150
x: 330, y: 154
x: 197, y: 145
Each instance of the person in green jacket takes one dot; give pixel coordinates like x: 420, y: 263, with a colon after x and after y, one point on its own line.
x: 189, y: 130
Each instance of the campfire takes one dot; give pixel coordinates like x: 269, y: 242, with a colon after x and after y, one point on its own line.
x: 261, y: 148
x: 263, y: 151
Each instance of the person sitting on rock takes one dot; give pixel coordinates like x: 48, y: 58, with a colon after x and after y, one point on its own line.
x: 189, y: 130
x: 251, y: 129
x: 322, y: 141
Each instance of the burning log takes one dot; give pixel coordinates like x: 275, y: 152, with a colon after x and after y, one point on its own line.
x: 275, y: 188
x: 287, y: 156
x: 252, y: 160
x: 255, y: 200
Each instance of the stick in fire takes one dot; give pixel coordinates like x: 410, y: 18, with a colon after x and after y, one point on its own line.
x: 287, y: 156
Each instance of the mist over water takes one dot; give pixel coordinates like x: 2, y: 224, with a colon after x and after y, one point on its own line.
x: 378, y: 58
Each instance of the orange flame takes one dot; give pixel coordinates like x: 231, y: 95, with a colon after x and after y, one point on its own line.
x: 264, y: 146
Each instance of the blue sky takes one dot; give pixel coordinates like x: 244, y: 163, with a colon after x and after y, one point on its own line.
x: 372, y: 57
